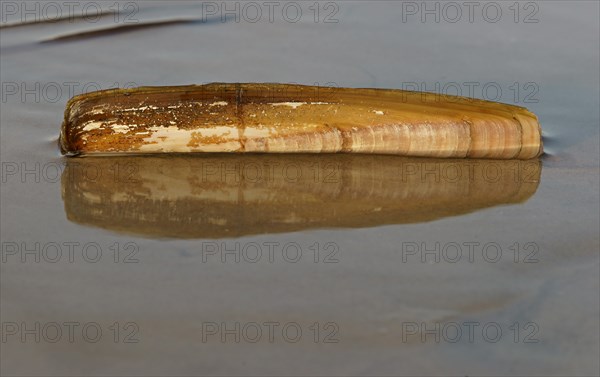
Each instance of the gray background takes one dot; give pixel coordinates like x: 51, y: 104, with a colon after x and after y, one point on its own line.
x: 370, y: 292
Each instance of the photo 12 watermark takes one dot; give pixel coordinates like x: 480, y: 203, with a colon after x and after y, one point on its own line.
x: 13, y: 13
x: 69, y: 171
x: 269, y: 252
x: 53, y: 91
x: 270, y: 332
x: 470, y: 332
x: 326, y: 12
x: 69, y: 252
x: 469, y: 252
x: 268, y: 171
x: 456, y: 91
x: 481, y: 171
x: 90, y: 332
x: 452, y: 12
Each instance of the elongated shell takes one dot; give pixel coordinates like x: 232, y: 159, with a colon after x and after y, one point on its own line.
x: 294, y: 119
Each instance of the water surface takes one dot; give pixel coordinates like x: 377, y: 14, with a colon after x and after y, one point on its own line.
x: 363, y: 247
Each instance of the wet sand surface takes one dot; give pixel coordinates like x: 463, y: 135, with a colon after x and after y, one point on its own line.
x: 301, y: 265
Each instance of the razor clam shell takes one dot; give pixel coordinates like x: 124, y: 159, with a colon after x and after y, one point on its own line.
x: 283, y: 118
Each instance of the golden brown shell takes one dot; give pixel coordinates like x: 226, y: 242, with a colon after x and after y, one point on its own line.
x: 284, y: 118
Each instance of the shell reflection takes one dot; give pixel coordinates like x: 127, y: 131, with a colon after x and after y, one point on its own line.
x: 232, y: 195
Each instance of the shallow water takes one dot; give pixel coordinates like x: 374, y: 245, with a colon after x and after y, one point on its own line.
x: 383, y: 264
